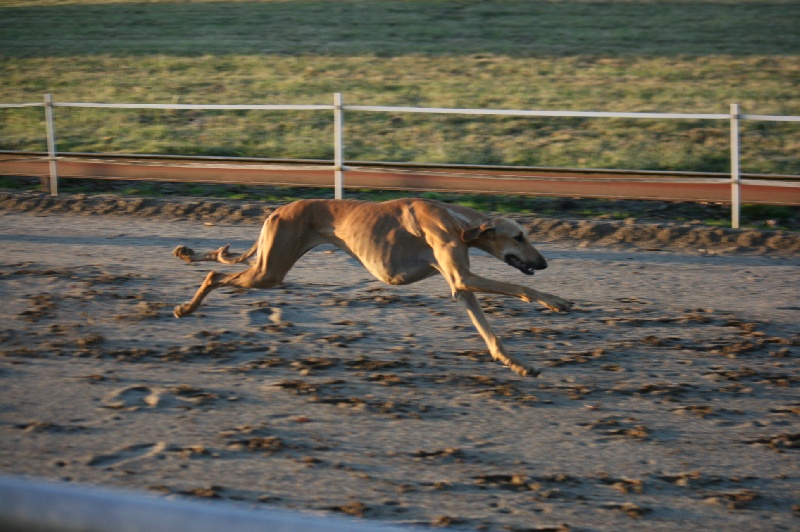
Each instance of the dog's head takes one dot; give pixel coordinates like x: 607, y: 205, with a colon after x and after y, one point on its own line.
x: 508, y: 241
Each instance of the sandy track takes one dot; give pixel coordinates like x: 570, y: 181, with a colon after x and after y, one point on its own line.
x: 668, y: 400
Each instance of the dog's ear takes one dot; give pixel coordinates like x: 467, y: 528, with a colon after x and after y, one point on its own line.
x: 474, y: 233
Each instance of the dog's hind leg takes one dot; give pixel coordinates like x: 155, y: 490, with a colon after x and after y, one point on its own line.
x: 280, y: 245
x: 472, y: 305
x: 250, y: 278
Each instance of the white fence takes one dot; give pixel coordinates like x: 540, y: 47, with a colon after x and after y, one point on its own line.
x: 39, y: 506
x: 338, y: 108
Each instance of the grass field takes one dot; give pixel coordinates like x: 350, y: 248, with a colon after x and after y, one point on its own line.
x: 616, y: 55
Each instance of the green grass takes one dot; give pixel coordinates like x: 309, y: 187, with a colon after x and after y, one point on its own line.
x: 399, y: 28
x: 614, y: 55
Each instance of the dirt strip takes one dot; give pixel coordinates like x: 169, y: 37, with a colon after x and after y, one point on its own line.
x: 607, y: 233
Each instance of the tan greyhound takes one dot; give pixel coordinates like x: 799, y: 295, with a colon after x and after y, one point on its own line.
x: 399, y: 242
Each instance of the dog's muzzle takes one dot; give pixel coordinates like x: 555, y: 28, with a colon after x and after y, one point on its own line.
x: 524, y: 267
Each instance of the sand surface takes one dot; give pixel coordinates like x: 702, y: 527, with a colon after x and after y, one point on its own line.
x: 668, y: 398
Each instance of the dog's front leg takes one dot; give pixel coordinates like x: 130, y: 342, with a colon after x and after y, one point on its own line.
x: 477, y: 283
x: 496, y: 349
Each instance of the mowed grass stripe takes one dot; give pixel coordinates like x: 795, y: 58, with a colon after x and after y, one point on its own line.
x: 588, y: 56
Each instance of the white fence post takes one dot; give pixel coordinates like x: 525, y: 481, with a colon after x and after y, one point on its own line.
x: 51, y: 144
x: 736, y: 175
x: 338, y: 146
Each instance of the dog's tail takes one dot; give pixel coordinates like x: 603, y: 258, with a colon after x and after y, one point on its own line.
x: 225, y: 258
x: 218, y: 255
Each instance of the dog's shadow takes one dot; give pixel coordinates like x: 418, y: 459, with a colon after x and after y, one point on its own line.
x: 319, y: 308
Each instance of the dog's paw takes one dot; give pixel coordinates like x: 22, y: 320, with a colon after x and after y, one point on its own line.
x: 523, y: 371
x: 556, y: 303
x: 183, y: 253
x: 532, y: 372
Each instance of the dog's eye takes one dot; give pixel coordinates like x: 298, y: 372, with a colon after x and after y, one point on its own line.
x: 519, y: 238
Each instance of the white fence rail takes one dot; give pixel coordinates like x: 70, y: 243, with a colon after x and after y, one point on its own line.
x: 44, y: 506
x: 339, y: 109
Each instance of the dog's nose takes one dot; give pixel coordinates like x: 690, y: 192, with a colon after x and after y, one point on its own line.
x: 538, y: 262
